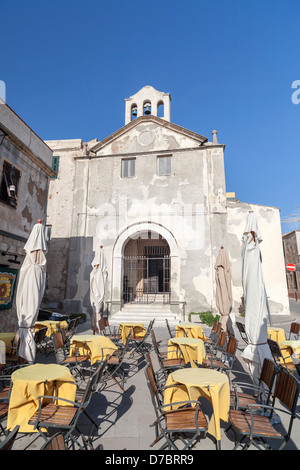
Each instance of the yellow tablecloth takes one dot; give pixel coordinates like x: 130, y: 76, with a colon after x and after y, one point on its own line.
x: 31, y: 382
x: 138, y: 330
x: 192, y: 383
x: 189, y: 329
x: 98, y: 347
x: 276, y: 334
x: 52, y: 325
x: 288, y: 348
x: 8, y: 338
x: 192, y: 349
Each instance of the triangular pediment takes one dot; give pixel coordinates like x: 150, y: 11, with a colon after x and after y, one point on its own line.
x: 148, y: 133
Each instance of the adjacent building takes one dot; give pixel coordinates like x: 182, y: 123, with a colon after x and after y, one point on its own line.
x: 153, y: 194
x: 25, y: 170
x: 291, y: 246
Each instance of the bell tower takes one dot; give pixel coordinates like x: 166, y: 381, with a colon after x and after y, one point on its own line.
x: 148, y: 101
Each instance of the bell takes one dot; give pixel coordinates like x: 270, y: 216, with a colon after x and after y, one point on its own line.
x: 134, y: 111
x: 147, y: 110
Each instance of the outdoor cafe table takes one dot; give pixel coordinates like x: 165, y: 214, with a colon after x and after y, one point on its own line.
x: 52, y: 326
x: 191, y: 384
x: 138, y: 330
x: 192, y: 349
x: 97, y: 347
x: 276, y: 334
x: 190, y: 330
x: 289, y: 348
x: 30, y: 382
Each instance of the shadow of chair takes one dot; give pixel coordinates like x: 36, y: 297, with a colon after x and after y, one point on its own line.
x: 8, y: 442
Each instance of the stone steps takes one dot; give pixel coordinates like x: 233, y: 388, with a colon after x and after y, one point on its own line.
x: 145, y: 313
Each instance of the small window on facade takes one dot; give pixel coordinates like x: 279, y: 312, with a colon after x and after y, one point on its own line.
x: 128, y: 168
x: 164, y: 165
x: 9, y: 184
x: 55, y: 165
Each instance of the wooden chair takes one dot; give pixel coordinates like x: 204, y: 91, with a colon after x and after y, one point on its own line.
x: 226, y: 361
x: 167, y: 365
x: 242, y: 331
x: 8, y: 442
x: 61, y: 353
x: 140, y: 345
x: 171, y: 331
x: 56, y: 442
x: 41, y: 340
x: 186, y: 423
x: 294, y: 331
x: 260, y: 393
x: 257, y: 427
x: 215, y: 351
x: 213, y: 338
x: 278, y: 357
x: 114, y: 368
x: 113, y: 333
x: 51, y: 414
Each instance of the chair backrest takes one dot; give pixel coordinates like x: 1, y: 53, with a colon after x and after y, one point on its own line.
x: 268, y: 373
x: 287, y: 389
x: 58, y: 340
x: 169, y: 329
x: 40, y: 335
x: 102, y: 324
x: 231, y: 346
x: 275, y: 351
x: 294, y: 329
x: 71, y: 324
x: 10, y: 439
x: 151, y: 383
x: 222, y: 340
x: 56, y: 442
x: 90, y: 388
x: 242, y: 331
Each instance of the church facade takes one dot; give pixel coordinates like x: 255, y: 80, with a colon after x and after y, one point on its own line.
x: 153, y: 194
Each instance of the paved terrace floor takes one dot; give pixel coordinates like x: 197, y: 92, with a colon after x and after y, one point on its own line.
x: 124, y: 418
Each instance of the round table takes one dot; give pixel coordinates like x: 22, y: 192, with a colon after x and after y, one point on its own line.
x: 191, y: 349
x: 190, y: 330
x: 97, y: 347
x: 30, y: 382
x: 276, y: 334
x: 190, y: 384
x: 138, y: 330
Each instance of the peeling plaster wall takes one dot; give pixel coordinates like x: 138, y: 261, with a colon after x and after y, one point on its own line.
x: 273, y: 265
x: 91, y: 204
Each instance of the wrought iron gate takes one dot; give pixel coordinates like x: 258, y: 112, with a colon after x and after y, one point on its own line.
x: 147, y: 277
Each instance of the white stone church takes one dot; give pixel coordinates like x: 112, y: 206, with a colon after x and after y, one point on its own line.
x: 154, y: 195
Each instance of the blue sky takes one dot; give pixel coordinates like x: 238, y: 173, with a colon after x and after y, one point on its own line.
x: 229, y: 65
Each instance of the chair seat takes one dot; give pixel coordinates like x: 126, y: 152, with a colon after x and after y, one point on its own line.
x: 73, y: 359
x: 3, y: 409
x: 184, y: 419
x: 262, y: 427
x: 244, y: 399
x: 4, y: 394
x: 173, y: 362
x: 113, y: 360
x: 54, y: 415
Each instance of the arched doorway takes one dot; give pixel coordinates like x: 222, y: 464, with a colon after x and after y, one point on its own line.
x: 146, y: 269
